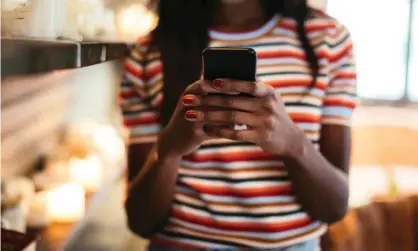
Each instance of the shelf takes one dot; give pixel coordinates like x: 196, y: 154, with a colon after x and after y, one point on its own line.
x: 25, y: 56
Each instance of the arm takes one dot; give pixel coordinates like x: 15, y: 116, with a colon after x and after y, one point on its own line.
x: 151, y: 193
x: 320, y: 179
x: 140, y: 109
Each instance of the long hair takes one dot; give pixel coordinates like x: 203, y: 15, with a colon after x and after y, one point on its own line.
x: 182, y: 34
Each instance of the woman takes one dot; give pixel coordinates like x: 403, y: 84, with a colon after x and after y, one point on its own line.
x: 203, y: 185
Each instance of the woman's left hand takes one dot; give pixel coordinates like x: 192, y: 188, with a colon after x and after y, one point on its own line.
x: 268, y: 124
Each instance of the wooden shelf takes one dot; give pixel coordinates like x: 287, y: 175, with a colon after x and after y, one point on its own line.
x: 24, y: 56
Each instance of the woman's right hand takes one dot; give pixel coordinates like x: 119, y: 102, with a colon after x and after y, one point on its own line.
x: 181, y: 137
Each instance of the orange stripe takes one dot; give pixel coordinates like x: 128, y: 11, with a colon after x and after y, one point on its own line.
x: 342, y: 53
x: 282, y: 83
x: 340, y: 102
x: 304, y: 117
x: 346, y: 75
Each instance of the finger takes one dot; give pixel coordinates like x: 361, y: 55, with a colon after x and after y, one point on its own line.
x: 229, y: 133
x: 232, y: 102
x: 199, y: 131
x: 199, y: 87
x: 256, y: 89
x: 228, y: 117
x: 190, y: 100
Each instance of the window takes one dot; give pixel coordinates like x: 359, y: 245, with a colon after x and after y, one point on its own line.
x: 413, y: 66
x: 386, y: 51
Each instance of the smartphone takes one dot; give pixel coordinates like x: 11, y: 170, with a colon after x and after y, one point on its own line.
x: 231, y: 63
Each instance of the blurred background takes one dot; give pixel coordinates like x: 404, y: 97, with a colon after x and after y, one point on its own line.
x: 63, y: 146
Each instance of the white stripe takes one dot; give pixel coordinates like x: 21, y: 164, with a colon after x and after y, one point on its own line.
x: 248, y: 184
x: 235, y: 175
x: 135, y: 80
x: 243, y: 36
x: 231, y: 165
x: 280, y: 60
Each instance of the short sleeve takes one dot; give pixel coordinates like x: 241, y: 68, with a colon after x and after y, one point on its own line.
x: 140, y: 94
x: 340, y: 95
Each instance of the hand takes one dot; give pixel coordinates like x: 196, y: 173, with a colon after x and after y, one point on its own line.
x: 181, y: 137
x: 269, y: 125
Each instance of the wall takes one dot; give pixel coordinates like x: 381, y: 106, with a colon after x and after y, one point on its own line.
x: 385, y: 135
x: 36, y: 108
x: 94, y: 93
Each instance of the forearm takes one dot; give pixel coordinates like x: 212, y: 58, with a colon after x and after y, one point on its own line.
x: 151, y: 193
x: 321, y: 188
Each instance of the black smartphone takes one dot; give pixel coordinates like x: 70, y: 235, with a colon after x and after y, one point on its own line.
x: 229, y: 62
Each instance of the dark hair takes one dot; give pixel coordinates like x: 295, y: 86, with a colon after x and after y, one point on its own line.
x: 182, y: 34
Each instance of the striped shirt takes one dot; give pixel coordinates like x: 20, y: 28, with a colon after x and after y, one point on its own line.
x: 230, y: 193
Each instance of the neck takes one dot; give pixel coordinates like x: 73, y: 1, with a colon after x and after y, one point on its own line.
x: 240, y: 16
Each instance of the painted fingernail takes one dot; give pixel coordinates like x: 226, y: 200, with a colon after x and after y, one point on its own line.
x: 191, y: 115
x: 189, y: 99
x: 218, y: 84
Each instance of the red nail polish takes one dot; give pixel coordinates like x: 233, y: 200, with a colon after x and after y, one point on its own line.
x: 218, y: 84
x: 189, y: 99
x: 192, y: 115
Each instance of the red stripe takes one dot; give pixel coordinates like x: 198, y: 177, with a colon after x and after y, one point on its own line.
x: 251, y: 192
x: 283, y: 83
x: 342, y: 53
x: 241, y: 226
x: 142, y: 120
x: 231, y: 156
x: 280, y: 54
x: 128, y: 94
x: 135, y: 71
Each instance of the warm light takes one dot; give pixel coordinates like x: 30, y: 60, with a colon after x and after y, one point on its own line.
x: 406, y: 179
x: 38, y: 212
x: 66, y: 203
x: 367, y: 182
x: 87, y: 171
x: 135, y: 21
x: 109, y: 142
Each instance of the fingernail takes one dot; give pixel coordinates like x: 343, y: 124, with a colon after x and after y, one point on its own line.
x: 191, y: 115
x: 189, y: 99
x: 218, y: 84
